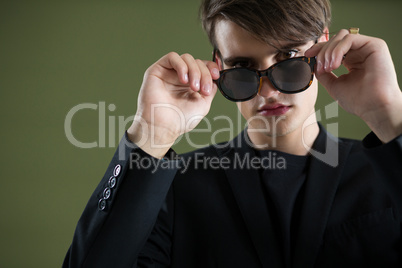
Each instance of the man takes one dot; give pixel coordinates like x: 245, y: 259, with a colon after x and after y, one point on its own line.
x: 204, y: 209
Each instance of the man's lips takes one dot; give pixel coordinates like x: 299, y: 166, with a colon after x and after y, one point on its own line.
x: 274, y: 109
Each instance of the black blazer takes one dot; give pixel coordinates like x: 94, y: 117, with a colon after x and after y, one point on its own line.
x: 217, y: 217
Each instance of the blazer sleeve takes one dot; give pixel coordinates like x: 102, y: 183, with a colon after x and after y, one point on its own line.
x: 386, y: 160
x: 123, y: 209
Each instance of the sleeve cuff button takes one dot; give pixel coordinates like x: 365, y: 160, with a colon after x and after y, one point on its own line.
x: 112, y: 182
x: 117, y: 170
x: 102, y: 204
x: 106, y: 193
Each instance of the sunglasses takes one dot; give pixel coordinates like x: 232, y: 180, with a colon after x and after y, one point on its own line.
x: 289, y: 76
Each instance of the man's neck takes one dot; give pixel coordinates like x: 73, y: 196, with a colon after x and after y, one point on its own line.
x: 296, y: 142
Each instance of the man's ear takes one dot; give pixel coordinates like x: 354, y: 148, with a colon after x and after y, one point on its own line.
x: 217, y: 59
x: 325, y: 36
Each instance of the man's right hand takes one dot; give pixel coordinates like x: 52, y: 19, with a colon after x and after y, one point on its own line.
x: 175, y: 95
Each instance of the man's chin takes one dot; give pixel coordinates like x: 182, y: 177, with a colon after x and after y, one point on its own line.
x: 277, y: 131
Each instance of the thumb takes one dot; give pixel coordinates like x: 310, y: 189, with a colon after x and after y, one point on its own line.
x: 211, y: 96
x: 327, y: 80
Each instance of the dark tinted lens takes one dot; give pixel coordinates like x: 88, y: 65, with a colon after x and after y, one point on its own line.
x: 239, y: 84
x: 292, y: 75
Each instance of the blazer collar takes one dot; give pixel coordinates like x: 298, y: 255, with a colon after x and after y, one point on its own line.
x: 325, y: 168
x: 329, y: 156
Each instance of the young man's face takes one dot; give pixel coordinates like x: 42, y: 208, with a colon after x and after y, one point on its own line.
x: 272, y: 112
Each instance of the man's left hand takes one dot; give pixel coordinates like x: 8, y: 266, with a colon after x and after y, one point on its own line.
x: 370, y: 89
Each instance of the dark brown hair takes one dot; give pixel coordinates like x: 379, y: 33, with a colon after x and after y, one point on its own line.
x: 269, y: 20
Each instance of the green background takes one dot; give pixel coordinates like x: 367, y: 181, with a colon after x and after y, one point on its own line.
x: 55, y: 55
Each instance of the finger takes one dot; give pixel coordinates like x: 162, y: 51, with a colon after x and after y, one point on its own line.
x: 174, y: 61
x: 351, y: 48
x: 339, y: 52
x: 324, y: 57
x: 206, y: 78
x: 194, y: 71
x: 327, y: 80
x: 322, y: 51
x: 314, y: 50
x: 213, y: 69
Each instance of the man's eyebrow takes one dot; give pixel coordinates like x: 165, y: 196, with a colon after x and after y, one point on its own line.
x: 230, y: 61
x: 289, y: 46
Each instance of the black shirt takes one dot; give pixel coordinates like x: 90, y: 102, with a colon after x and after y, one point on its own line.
x: 282, y: 180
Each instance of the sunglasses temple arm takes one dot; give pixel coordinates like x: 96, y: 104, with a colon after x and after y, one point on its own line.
x: 216, y: 53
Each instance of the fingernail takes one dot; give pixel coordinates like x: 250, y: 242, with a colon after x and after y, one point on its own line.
x: 326, y: 66
x: 185, y: 78
x: 207, y: 89
x: 319, y: 66
x: 215, y: 72
x: 197, y: 84
x: 331, y: 64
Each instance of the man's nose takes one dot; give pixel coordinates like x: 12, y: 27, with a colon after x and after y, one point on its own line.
x: 267, y: 90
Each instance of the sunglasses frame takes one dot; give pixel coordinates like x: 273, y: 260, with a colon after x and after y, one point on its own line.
x: 268, y: 73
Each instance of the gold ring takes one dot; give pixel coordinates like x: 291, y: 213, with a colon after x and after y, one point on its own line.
x: 354, y: 30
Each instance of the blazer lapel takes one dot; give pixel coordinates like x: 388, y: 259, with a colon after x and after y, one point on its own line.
x: 246, y: 186
x: 321, y: 185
